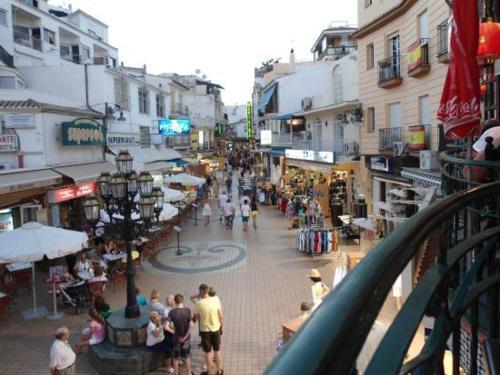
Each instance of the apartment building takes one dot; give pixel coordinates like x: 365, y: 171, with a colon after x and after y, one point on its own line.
x: 402, y: 48
x: 36, y: 33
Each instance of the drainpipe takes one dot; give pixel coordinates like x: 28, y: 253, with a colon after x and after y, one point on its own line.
x: 87, y: 87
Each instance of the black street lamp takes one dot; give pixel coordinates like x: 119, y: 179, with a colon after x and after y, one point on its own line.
x: 119, y: 193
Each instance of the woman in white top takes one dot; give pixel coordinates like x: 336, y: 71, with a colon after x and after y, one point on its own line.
x: 156, y: 337
x: 206, y: 212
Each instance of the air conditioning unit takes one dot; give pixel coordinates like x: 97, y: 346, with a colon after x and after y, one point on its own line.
x: 351, y: 148
x: 307, y: 103
x: 398, y: 148
x: 5, y: 166
x: 429, y: 160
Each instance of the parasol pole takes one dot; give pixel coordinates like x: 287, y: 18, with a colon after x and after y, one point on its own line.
x: 33, y: 287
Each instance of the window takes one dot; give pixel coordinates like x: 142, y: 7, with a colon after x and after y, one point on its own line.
x: 3, y: 17
x: 368, y: 3
x: 121, y: 93
x: 424, y: 110
x: 145, y: 136
x: 85, y: 51
x: 49, y: 36
x: 395, y: 115
x: 370, y: 119
x: 143, y: 100
x: 160, y: 110
x: 370, y: 56
x: 7, y: 82
x: 423, y: 25
x: 65, y: 51
x: 338, y: 85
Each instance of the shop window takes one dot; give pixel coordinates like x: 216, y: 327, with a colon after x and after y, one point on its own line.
x: 28, y: 213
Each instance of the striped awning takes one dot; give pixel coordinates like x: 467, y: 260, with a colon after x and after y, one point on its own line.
x: 422, y: 177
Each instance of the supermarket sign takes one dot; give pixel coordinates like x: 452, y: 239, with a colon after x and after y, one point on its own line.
x: 8, y: 143
x: 71, y: 192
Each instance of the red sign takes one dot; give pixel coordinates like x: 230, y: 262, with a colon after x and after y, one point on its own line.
x: 72, y: 192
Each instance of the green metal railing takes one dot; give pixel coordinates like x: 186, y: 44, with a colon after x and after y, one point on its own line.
x: 464, y: 278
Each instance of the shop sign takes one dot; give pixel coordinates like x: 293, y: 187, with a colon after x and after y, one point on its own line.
x: 19, y: 120
x: 121, y: 139
x: 380, y: 164
x: 8, y: 143
x: 71, y: 192
x: 266, y: 137
x: 249, y: 121
x: 321, y: 157
x: 81, y: 132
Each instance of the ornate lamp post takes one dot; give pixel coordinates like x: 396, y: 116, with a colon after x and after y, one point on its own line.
x: 119, y: 193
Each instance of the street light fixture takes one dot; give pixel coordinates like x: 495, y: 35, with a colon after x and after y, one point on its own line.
x: 119, y: 193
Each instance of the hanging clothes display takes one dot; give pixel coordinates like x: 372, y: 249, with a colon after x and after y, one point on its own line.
x: 314, y: 240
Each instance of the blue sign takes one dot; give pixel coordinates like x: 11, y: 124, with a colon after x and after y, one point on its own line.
x: 174, y: 127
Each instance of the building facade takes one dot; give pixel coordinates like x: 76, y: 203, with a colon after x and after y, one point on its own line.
x: 402, y: 66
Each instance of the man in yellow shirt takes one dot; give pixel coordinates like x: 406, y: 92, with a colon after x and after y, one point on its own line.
x: 208, y: 311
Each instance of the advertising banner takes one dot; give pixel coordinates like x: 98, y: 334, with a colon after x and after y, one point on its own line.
x: 249, y: 121
x: 174, y: 127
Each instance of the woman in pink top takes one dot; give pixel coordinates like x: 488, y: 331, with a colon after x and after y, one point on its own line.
x: 95, y: 333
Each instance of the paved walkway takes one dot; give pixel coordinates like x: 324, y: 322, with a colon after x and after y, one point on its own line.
x: 259, y: 276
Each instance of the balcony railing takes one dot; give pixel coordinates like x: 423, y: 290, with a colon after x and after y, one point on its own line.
x: 387, y: 137
x: 72, y: 58
x: 389, y: 71
x: 418, y: 58
x: 181, y: 110
x: 459, y: 289
x: 337, y: 51
x: 27, y: 40
x: 442, y: 39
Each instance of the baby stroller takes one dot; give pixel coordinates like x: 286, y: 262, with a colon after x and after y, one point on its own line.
x: 229, y: 221
x: 76, y: 295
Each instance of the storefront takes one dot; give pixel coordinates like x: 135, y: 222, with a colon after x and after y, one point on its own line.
x: 23, y: 196
x: 66, y: 205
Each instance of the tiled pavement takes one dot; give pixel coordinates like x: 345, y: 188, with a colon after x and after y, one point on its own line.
x: 258, y: 293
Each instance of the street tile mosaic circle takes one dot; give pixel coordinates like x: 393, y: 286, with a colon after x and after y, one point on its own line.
x: 198, y: 257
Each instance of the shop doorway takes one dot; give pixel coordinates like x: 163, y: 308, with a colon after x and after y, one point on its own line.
x: 28, y: 213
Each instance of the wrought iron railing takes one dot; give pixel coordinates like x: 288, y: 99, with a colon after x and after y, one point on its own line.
x: 27, y: 40
x: 442, y: 38
x: 463, y: 283
x: 389, y: 69
x: 387, y: 137
x: 338, y: 51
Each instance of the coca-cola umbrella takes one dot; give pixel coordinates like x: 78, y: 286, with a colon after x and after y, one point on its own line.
x: 459, y: 107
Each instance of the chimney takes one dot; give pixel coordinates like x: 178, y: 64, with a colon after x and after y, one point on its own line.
x: 292, y: 57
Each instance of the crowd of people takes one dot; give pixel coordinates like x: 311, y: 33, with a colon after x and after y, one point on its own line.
x: 168, y: 331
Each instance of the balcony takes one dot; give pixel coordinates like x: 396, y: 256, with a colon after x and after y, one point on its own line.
x: 389, y: 72
x: 179, y: 109
x: 27, y: 40
x: 69, y: 57
x: 418, y: 58
x: 442, y: 42
x: 337, y: 52
x: 387, y: 137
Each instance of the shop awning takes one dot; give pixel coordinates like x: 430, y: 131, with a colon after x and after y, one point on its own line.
x: 421, y: 177
x: 180, y: 162
x: 23, y: 179
x: 264, y: 101
x: 157, y: 166
x: 85, y: 172
x: 313, y: 166
x: 286, y: 116
x: 149, y: 154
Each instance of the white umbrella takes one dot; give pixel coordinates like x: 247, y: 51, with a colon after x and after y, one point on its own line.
x: 184, y: 179
x: 172, y: 195
x: 34, y: 241
x: 168, y: 212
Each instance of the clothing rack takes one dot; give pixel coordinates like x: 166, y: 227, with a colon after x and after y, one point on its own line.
x: 314, y: 240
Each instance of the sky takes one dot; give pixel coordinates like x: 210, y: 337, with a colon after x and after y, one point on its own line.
x: 225, y: 39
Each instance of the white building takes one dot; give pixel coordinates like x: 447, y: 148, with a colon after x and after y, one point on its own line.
x: 237, y: 120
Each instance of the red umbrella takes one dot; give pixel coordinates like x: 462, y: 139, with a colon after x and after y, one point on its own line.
x: 459, y: 107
